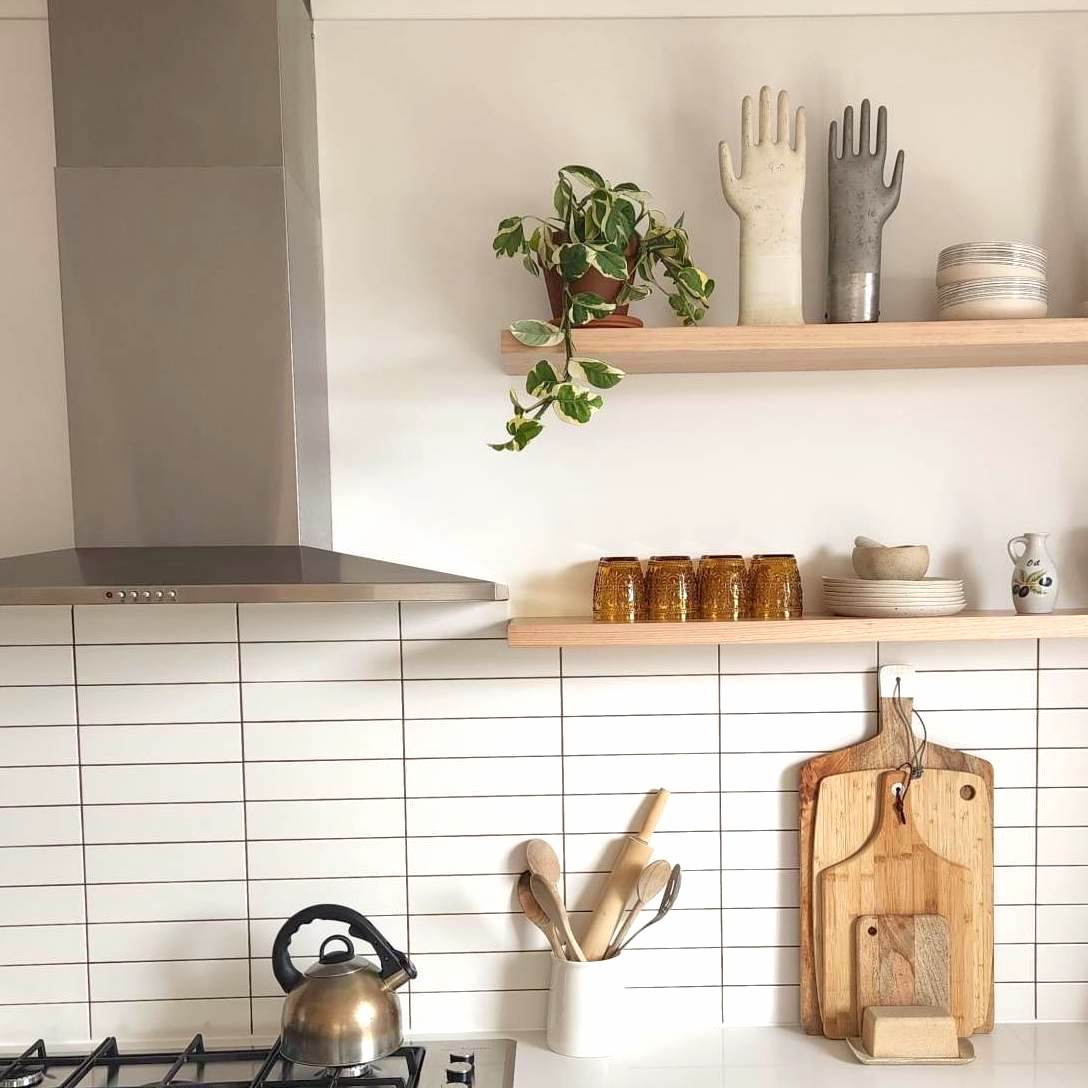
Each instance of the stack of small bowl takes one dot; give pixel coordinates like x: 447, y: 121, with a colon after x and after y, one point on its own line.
x: 991, y: 280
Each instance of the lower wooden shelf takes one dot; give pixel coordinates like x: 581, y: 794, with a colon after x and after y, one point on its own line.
x: 582, y: 631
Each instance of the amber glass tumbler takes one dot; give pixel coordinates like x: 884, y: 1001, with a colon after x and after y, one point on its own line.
x: 774, y: 587
x: 723, y: 588
x: 672, y: 592
x: 619, y: 590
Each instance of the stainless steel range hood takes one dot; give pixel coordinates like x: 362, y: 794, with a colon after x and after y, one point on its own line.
x: 193, y: 303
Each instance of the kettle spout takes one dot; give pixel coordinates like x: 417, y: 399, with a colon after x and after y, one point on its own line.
x: 396, y: 980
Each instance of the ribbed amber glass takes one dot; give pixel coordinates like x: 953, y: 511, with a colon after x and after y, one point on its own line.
x: 619, y: 590
x: 723, y: 587
x: 774, y: 586
x: 672, y: 593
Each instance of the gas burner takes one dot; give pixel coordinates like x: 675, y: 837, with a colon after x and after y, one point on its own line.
x: 343, y: 1072
x: 23, y: 1080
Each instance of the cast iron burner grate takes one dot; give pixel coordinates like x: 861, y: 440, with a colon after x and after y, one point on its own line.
x: 196, y: 1067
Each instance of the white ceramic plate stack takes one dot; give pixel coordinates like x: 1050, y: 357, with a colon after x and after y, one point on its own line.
x: 990, y: 280
x: 879, y: 599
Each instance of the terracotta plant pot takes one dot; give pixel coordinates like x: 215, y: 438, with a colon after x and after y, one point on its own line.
x: 598, y: 285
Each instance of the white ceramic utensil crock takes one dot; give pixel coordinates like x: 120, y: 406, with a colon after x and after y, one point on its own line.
x: 587, y: 1011
x: 1034, y: 576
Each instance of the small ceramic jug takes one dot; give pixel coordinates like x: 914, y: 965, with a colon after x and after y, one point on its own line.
x: 1034, y: 576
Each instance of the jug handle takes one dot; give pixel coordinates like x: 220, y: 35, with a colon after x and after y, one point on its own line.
x: 289, y: 976
x: 1017, y: 540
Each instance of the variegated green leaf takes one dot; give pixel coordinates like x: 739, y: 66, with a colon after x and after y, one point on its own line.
x: 574, y: 404
x: 633, y: 292
x: 536, y: 334
x: 585, y: 306
x: 510, y: 237
x: 541, y: 379
x: 595, y: 372
x: 522, y: 431
x: 573, y: 260
x: 607, y: 261
x: 618, y: 223
x: 588, y: 177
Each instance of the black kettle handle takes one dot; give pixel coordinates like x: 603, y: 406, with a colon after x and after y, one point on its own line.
x: 289, y: 976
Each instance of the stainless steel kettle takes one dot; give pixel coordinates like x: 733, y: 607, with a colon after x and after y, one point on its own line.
x: 344, y: 1010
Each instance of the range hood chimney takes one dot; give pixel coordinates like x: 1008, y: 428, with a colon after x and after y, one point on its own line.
x: 193, y: 304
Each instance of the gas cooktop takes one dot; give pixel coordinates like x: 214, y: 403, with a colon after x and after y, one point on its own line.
x: 482, y: 1063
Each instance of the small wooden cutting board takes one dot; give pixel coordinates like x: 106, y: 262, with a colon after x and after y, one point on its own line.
x: 902, y: 959
x: 895, y: 872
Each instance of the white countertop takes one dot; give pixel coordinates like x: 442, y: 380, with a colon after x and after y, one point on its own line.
x: 1020, y: 1055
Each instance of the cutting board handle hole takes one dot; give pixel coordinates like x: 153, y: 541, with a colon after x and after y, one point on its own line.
x: 967, y: 793
x: 871, y: 931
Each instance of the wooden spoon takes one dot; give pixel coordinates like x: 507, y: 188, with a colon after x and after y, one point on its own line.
x: 651, y: 881
x: 542, y: 860
x: 535, y: 913
x: 672, y: 890
x: 545, y: 893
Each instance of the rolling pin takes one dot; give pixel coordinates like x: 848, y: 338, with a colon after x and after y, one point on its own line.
x: 621, y: 882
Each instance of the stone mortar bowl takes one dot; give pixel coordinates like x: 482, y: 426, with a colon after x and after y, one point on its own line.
x: 907, y: 562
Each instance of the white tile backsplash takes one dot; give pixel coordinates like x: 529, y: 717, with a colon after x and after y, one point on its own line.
x: 224, y: 766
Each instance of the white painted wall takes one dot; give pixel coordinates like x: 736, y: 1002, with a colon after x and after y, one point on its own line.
x: 431, y: 131
x: 35, y: 477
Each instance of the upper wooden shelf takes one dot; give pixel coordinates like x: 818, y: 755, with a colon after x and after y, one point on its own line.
x: 965, y: 626
x: 893, y: 345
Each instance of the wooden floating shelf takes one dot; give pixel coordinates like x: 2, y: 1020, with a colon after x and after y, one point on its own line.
x: 965, y: 626
x: 905, y: 345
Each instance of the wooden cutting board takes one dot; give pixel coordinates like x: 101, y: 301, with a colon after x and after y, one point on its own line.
x: 885, y: 750
x: 895, y: 872
x: 901, y: 959
x: 952, y: 812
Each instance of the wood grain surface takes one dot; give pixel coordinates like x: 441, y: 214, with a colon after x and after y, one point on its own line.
x: 901, y: 959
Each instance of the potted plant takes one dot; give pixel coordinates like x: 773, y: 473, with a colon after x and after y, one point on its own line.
x: 590, y: 252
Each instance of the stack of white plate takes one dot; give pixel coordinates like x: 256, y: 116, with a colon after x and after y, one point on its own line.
x: 866, y: 597
x: 991, y: 280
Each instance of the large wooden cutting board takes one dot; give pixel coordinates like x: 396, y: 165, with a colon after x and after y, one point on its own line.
x: 895, y: 872
x: 885, y: 750
x: 952, y: 813
x: 901, y: 959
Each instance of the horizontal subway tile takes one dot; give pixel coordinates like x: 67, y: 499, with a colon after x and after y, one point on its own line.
x: 702, y: 889
x: 477, y: 894
x: 1062, y: 883
x: 1063, y: 653
x: 771, y: 811
x: 639, y: 774
x: 528, y: 816
x: 165, y: 862
x: 598, y: 853
x: 802, y: 658
x: 685, y: 927
x: 761, y: 888
x: 179, y: 663
x: 31, y: 865
x: 317, y: 622
x: 28, y: 944
x: 759, y: 1005
x: 956, y: 656
x: 333, y: 857
x: 164, y: 822
x: 632, y: 734
x: 1062, y: 923
x: 798, y: 732
x: 314, y: 780
x: 438, y: 737
x: 169, y: 782
x: 483, y: 777
x: 1014, y: 807
x: 41, y: 983
x: 155, y: 623
x: 323, y: 819
x: 37, y: 706
x: 755, y: 966
x: 760, y: 849
x: 153, y: 703
x: 43, y: 825
x: 463, y: 659
x: 980, y: 728
x: 192, y: 901
x: 38, y: 745
x: 1063, y: 688
x: 618, y: 814
x: 1063, y: 767
x: 38, y: 785
x: 754, y: 694
x: 459, y: 973
x: 1063, y: 807
x: 524, y: 1010
x: 441, y: 856
x: 474, y: 933
x: 975, y: 690
x: 1014, y: 1002
x: 195, y: 742
x: 1062, y: 1001
x: 320, y: 661
x: 376, y: 739
x: 45, y: 906
x: 678, y: 1009
x: 1063, y: 728
x: 1013, y: 767
x: 470, y: 619
x: 775, y: 771
x: 1014, y: 846
x: 130, y: 942
x: 1063, y: 962
x: 28, y: 665
x: 532, y: 698
x: 150, y: 981
x: 321, y: 700
x: 35, y: 625
x: 639, y: 660
x: 278, y: 899
x: 306, y: 942
x: 640, y: 695
x: 1014, y: 924
x: 1063, y: 845
x: 665, y: 966
x: 1014, y: 884
x: 1014, y: 963
x: 67, y: 1020
x: 157, y: 1020
x: 760, y: 928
